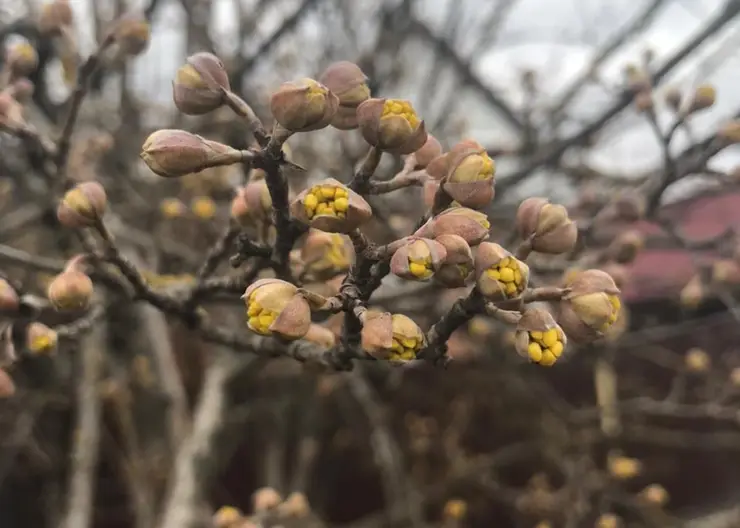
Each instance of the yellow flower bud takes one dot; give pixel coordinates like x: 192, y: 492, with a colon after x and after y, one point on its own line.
x: 22, y: 59
x: 83, y: 205
x: 592, y: 306
x: 304, y: 105
x: 131, y: 33
x: 40, y: 339
x: 499, y: 274
x: 326, y: 254
x: 347, y: 81
x: 429, y: 151
x: 203, y: 207
x: 70, y: 290
x: 277, y: 307
x: 332, y: 207
x: 624, y: 468
x: 199, y: 85
x: 458, y: 265
x: 455, y: 509
x: 265, y: 499
x: 704, y: 97
x: 295, y: 506
x: 697, y: 360
x: 470, y: 175
x: 547, y: 226
x: 608, y: 520
x: 418, y: 259
x: 172, y: 208
x: 389, y: 337
x: 538, y: 337
x: 392, y: 125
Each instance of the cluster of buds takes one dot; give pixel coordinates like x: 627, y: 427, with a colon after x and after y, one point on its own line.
x: 499, y: 275
x: 331, y: 206
x: 276, y: 307
x: 349, y: 84
x: 72, y: 289
x: 539, y: 338
x: 395, y: 337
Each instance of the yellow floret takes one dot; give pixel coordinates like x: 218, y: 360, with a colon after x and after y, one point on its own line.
x: 400, y: 108
x: 545, y: 347
x: 326, y: 200
x: 509, y: 276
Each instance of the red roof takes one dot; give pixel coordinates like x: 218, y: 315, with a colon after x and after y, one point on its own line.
x: 658, y: 273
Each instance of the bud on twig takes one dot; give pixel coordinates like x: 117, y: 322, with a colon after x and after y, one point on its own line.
x: 252, y: 203
x: 458, y: 264
x: 472, y: 226
x: 703, y: 97
x: 21, y: 59
x: 470, y: 175
x: 347, y: 81
x: 199, y: 85
x: 265, y: 499
x: 326, y: 254
x: 40, y: 339
x: 539, y: 338
x: 418, y: 259
x: 389, y: 337
x: 82, y: 206
x: 591, y: 307
x: 303, y: 106
x: 498, y: 274
x: 131, y: 33
x: 173, y: 153
x: 546, y: 227
x: 72, y: 289
x: 331, y: 206
x: 392, y: 125
x: 277, y: 307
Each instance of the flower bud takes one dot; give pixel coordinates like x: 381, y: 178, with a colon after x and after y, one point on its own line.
x: 55, y: 16
x: 591, y: 307
x: 303, y: 106
x: 673, y: 98
x: 203, y: 207
x: 40, y: 339
x: 726, y: 272
x: 132, y: 34
x: 173, y: 153
x: 295, y: 506
x: 418, y: 259
x: 199, y: 85
x: 625, y: 247
x: 608, y: 520
x: 265, y: 499
x: 539, y: 338
x: 704, y: 97
x: 470, y: 175
x: 498, y: 273
x: 693, y: 294
x: 548, y: 227
x: 429, y: 151
x: 347, y: 81
x: 320, y: 335
x: 457, y: 265
x: 277, y: 307
x: 252, y: 203
x: 455, y: 509
x: 331, y: 206
x: 83, y: 205
x: 326, y: 254
x: 391, y: 337
x: 9, y: 301
x: 654, y: 494
x: 71, y: 289
x: 172, y: 208
x: 21, y: 59
x: 392, y: 125
x: 697, y: 360
x: 471, y: 225
x: 7, y: 387
x: 624, y: 468
x: 227, y: 517
x: 730, y: 132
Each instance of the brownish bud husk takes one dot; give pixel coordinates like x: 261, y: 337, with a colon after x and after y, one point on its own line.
x: 320, y: 335
x: 276, y: 307
x: 9, y: 301
x: 55, y: 16
x: 470, y: 175
x: 625, y: 247
x: 471, y: 225
x: 326, y: 254
x: 173, y: 153
x: 546, y: 226
x: 458, y: 265
x: 83, y: 205
x: 265, y: 499
x: 730, y: 132
x: 673, y: 98
x: 430, y: 150
x: 70, y: 290
x: 200, y: 84
x: 132, y: 33
x: 347, y: 81
x: 538, y: 337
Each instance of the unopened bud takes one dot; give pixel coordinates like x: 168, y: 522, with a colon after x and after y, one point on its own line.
x: 295, y: 506
x: 455, y: 509
x: 418, y: 259
x: 458, y: 265
x: 654, y: 494
x: 693, y: 294
x: 624, y: 468
x: 83, y: 205
x: 174, y: 153
x: 203, y: 207
x: 470, y: 175
x: 132, y: 34
x: 199, y: 85
x: 304, y: 105
x: 265, y: 499
x: 40, y: 339
x: 472, y: 226
x: 431, y: 150
x: 55, y: 16
x: 172, y: 208
x: 673, y: 98
x: 22, y: 59
x: 395, y: 338
x: 72, y: 289
x: 392, y: 125
x: 591, y: 307
x: 704, y: 97
x: 347, y: 81
x: 546, y: 226
x: 608, y: 520
x: 625, y: 247
x: 697, y: 360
